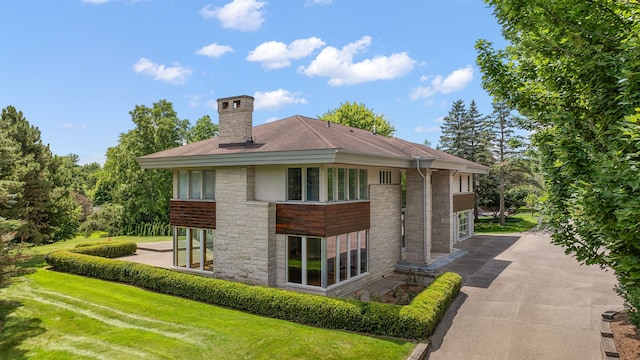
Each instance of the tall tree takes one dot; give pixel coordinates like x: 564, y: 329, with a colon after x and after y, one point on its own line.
x: 203, y: 129
x: 571, y: 68
x: 455, y: 137
x: 45, y: 204
x: 359, y: 116
x: 143, y: 195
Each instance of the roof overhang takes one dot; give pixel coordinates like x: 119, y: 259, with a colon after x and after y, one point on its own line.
x: 323, y: 156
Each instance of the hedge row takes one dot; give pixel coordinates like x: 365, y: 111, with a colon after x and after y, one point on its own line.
x: 107, y: 249
x: 414, y: 321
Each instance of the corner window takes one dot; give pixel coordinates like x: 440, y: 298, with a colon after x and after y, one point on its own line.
x: 193, y: 248
x: 347, y: 184
x: 323, y: 262
x: 196, y: 184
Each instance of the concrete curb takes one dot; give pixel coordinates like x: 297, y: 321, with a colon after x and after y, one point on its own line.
x: 419, y: 352
x: 608, y: 347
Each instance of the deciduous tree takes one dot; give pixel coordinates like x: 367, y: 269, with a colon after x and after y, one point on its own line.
x: 572, y: 69
x: 359, y: 116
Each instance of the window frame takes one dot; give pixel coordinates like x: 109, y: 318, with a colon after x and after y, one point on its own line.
x: 185, y: 177
x: 304, y: 184
x: 340, y: 186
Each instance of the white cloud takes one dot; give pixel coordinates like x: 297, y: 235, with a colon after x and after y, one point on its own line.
x: 428, y: 129
x: 339, y: 67
x: 276, y: 55
x: 455, y: 81
x: 245, y: 15
x: 273, y: 100
x: 176, y: 74
x: 317, y: 2
x: 214, y: 50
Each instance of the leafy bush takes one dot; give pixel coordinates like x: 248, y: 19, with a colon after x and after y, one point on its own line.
x: 107, y: 249
x: 415, y: 321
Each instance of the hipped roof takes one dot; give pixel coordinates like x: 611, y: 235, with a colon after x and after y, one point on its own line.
x: 303, y: 140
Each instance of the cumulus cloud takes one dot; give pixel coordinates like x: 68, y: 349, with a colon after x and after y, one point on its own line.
x: 427, y: 129
x: 338, y: 65
x: 455, y: 81
x: 244, y: 15
x: 176, y: 74
x: 273, y: 100
x: 214, y: 50
x: 276, y: 55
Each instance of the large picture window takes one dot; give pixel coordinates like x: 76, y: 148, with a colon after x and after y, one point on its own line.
x: 324, y: 262
x: 310, y: 177
x: 193, y: 248
x: 196, y: 184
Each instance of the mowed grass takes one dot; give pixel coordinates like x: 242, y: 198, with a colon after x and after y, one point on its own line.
x: 520, y: 222
x: 52, y: 315
x: 39, y: 252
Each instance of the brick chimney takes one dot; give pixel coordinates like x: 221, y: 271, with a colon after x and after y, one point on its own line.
x: 235, y: 119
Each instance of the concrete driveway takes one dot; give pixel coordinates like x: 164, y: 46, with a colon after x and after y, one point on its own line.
x: 523, y: 298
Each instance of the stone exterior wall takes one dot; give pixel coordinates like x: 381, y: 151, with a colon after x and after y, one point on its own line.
x: 244, y: 247
x: 415, y: 217
x: 442, y: 212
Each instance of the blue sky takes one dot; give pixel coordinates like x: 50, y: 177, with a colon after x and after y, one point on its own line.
x: 75, y: 68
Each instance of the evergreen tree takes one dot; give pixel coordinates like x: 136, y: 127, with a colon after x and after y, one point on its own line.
x: 45, y: 204
x: 455, y: 137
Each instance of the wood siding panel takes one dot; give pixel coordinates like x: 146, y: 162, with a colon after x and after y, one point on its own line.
x: 347, y: 217
x: 322, y: 220
x: 463, y: 202
x: 193, y: 214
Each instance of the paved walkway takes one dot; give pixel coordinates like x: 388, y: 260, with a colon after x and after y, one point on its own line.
x: 523, y: 298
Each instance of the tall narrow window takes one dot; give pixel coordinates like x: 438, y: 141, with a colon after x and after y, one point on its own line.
x: 330, y: 184
x: 353, y: 184
x: 314, y: 261
x: 183, y: 184
x: 353, y: 254
x: 364, y: 260
x: 460, y: 177
x: 181, y: 247
x: 332, y: 260
x: 294, y: 184
x: 362, y: 183
x: 208, y: 255
x: 342, y: 184
x: 343, y: 248
x: 195, y: 184
x: 469, y: 183
x: 196, y: 247
x: 209, y: 179
x: 313, y: 184
x: 294, y: 260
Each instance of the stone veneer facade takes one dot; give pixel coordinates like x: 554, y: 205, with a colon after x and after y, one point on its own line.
x: 442, y: 212
x: 245, y: 238
x: 418, y: 202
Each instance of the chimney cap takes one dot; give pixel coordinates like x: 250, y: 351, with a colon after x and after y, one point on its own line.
x: 236, y: 97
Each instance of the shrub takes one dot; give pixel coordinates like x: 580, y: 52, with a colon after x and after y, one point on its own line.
x: 107, y: 249
x: 415, y: 321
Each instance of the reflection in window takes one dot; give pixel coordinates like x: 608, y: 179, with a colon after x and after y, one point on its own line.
x: 183, y: 184
x: 208, y: 255
x: 342, y: 246
x: 193, y: 248
x: 209, y: 179
x: 342, y: 185
x: 314, y: 261
x: 331, y: 260
x: 195, y: 184
x: 294, y: 184
x: 294, y: 259
x: 313, y: 184
x: 353, y: 184
x: 180, y: 246
x: 364, y: 259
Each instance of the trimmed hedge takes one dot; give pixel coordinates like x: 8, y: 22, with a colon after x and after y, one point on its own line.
x: 414, y: 321
x: 107, y: 249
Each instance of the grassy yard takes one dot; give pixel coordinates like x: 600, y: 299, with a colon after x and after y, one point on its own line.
x: 52, y: 315
x: 520, y: 222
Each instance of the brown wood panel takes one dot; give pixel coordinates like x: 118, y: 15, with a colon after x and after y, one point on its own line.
x: 193, y: 214
x: 322, y: 220
x: 463, y: 202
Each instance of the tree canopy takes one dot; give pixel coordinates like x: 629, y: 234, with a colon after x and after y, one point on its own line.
x: 359, y: 116
x: 572, y: 69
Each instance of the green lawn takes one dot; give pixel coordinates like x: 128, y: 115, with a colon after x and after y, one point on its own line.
x: 520, y: 222
x: 52, y: 315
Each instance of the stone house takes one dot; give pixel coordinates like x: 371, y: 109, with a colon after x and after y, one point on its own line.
x: 311, y: 206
